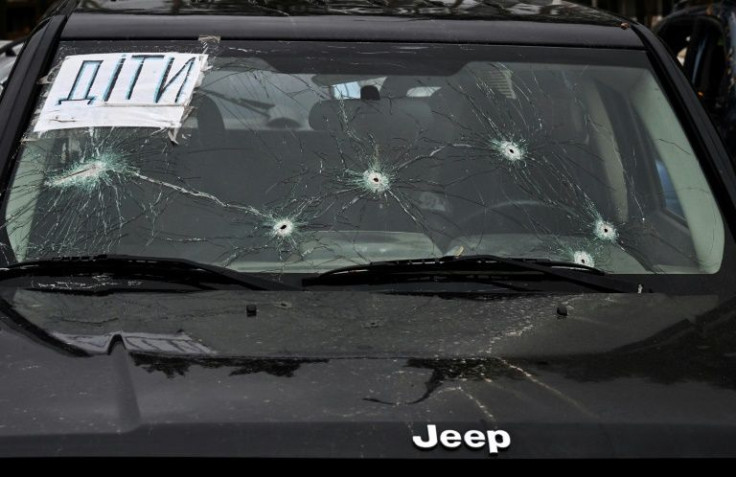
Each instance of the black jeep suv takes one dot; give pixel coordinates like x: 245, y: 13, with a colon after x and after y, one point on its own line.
x: 361, y: 229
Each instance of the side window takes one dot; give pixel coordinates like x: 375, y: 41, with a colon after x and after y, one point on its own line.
x: 706, y: 59
x: 676, y: 34
x: 628, y: 125
x: 671, y: 201
x: 358, y: 89
x: 700, y: 46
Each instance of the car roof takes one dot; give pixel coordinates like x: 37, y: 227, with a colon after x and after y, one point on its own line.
x: 539, y: 10
x: 543, y: 22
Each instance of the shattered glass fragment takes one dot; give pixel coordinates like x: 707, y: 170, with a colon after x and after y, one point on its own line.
x: 605, y: 230
x: 376, y: 181
x: 89, y: 174
x: 583, y: 258
x: 283, y: 228
x: 510, y: 150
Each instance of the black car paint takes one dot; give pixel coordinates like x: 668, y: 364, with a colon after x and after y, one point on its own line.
x: 589, y: 385
x: 596, y: 383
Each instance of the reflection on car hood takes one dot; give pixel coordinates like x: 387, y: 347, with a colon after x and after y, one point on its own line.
x: 342, y: 324
x: 355, y: 374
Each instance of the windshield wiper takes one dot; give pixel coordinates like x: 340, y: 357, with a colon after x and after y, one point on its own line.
x: 461, y: 268
x: 175, y: 270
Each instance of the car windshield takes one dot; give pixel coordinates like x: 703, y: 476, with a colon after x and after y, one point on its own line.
x: 301, y: 157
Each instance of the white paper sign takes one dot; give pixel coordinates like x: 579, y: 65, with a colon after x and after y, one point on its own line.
x: 122, y: 90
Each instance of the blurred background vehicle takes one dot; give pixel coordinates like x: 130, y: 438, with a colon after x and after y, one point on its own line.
x: 18, y: 17
x: 8, y: 53
x: 699, y: 35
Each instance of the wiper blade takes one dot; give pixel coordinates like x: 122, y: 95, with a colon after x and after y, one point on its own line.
x: 176, y: 270
x: 460, y: 267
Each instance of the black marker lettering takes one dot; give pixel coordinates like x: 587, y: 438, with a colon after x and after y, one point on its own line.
x: 113, y: 79
x: 82, y: 68
x: 143, y: 59
x: 164, y: 85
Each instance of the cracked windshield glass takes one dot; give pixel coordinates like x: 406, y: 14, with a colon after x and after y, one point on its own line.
x: 303, y: 157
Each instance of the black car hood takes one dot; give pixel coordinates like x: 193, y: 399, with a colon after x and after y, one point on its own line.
x: 358, y: 374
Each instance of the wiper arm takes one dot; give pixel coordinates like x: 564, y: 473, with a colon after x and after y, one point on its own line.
x: 400, y: 270
x: 167, y: 269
